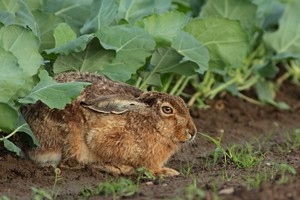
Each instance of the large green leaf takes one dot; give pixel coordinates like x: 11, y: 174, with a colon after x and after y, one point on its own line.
x: 133, y: 10
x: 63, y: 34
x: 76, y: 45
x: 13, y: 81
x: 163, y: 27
x: 225, y: 40
x: 103, y: 13
x: 244, y: 11
x: 166, y: 60
x: 74, y: 12
x: 121, y: 70
x: 93, y: 59
x: 192, y: 50
x: 287, y: 38
x: 132, y: 45
x: 17, y: 12
x: 53, y: 94
x: 47, y: 24
x: 23, y: 45
x: 268, y: 12
x: 162, y: 6
x: 8, y: 117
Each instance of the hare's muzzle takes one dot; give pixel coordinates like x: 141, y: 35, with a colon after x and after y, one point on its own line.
x: 190, y: 135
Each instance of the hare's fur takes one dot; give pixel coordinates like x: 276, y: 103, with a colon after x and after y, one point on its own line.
x: 112, y: 126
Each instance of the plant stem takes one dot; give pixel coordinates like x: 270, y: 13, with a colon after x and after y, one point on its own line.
x: 250, y: 100
x: 177, y: 85
x: 211, y: 94
x: 143, y: 86
x: 183, y: 85
x: 138, y: 82
x: 12, y: 133
x: 168, y: 83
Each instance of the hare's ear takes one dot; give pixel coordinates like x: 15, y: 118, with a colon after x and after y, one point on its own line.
x: 116, y: 104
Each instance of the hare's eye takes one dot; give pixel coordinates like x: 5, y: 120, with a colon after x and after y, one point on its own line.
x: 167, y: 110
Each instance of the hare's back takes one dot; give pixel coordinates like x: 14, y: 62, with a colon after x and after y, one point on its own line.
x: 100, y: 84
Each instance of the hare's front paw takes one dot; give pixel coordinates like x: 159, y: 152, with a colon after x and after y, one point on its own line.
x: 166, y: 172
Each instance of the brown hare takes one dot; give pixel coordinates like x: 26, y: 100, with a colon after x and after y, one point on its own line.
x: 112, y: 126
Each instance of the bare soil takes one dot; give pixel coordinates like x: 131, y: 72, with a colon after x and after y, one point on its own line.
x: 240, y: 122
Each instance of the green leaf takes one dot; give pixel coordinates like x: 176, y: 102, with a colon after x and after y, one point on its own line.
x: 17, y: 12
x: 287, y: 37
x: 63, y: 34
x: 225, y: 40
x: 53, y: 94
x: 23, y: 45
x: 166, y: 60
x: 268, y: 12
x: 11, y: 146
x: 162, y: 6
x: 47, y: 24
x: 73, y: 12
x: 93, y: 59
x: 133, y: 10
x: 103, y: 13
x: 132, y: 45
x: 192, y: 50
x: 163, y: 27
x: 76, y: 45
x: 24, y: 127
x: 266, y: 92
x: 14, y: 82
x: 121, y: 70
x: 243, y: 11
x: 8, y: 117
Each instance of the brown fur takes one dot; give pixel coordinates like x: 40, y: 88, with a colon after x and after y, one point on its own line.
x: 113, y: 126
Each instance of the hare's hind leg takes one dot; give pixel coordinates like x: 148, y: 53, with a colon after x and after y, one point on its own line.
x: 49, y: 158
x: 165, y: 172
x: 114, y: 169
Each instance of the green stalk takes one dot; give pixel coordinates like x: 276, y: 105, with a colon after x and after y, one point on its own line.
x: 167, y: 85
x: 143, y: 86
x: 138, y: 82
x: 183, y: 85
x: 211, y: 94
x: 12, y: 133
x: 177, y: 85
x: 249, y: 83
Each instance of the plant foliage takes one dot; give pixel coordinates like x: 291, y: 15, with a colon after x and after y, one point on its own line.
x: 213, y: 46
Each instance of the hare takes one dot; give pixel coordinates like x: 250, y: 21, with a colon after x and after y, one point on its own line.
x: 111, y: 126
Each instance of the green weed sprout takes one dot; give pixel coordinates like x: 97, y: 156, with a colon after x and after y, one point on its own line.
x: 284, y: 170
x: 186, y: 170
x: 192, y: 191
x: 117, y: 189
x: 241, y: 156
x: 144, y: 173
x: 39, y: 194
x: 219, y: 151
x: 4, y: 198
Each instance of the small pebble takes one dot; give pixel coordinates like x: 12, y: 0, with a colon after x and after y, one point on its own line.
x: 149, y: 183
x: 227, y: 191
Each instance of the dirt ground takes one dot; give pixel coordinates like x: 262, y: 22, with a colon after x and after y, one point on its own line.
x: 239, y: 121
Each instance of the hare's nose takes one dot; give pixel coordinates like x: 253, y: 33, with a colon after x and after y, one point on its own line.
x: 191, y: 134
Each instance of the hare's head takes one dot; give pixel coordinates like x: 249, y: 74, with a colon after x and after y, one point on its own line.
x: 173, y: 117
x: 168, y: 114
